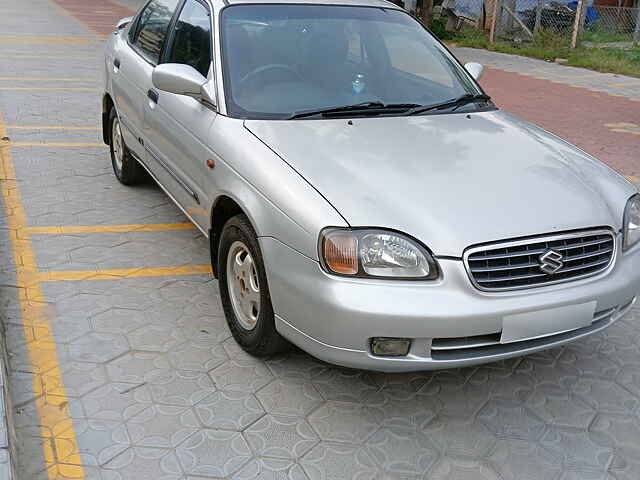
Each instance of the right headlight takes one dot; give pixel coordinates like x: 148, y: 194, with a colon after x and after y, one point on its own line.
x: 375, y: 253
x: 631, y: 224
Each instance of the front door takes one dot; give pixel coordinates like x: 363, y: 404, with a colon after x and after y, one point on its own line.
x: 177, y: 127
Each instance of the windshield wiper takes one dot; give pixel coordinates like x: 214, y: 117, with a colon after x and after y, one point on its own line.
x: 370, y: 108
x: 453, y: 103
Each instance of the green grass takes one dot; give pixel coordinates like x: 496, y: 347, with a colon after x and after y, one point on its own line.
x: 549, y: 46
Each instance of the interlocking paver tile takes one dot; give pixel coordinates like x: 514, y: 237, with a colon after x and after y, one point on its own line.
x: 137, y: 367
x: 346, y: 385
x: 289, y: 396
x: 229, y: 410
x: 525, y: 460
x: 616, y: 431
x: 606, y: 395
x: 558, y: 406
x: 98, y: 347
x: 194, y: 356
x: 463, y: 437
x: 138, y: 463
x: 401, y: 407
x: 182, y: 388
x: 162, y: 426
x: 270, y: 469
x: 507, y: 419
x: 156, y: 337
x: 402, y: 450
x: 116, y: 401
x: 296, y: 364
x: 625, y: 464
x: 464, y: 469
x: 345, y: 421
x: 330, y: 461
x: 118, y: 320
x: 283, y: 437
x: 578, y: 450
x: 79, y: 378
x: 242, y: 374
x: 98, y: 441
x: 214, y: 453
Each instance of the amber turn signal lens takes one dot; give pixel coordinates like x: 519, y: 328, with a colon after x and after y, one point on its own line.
x: 341, y: 253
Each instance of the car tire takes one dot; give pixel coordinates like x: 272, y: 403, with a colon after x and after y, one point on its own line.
x: 244, y: 291
x: 126, y: 168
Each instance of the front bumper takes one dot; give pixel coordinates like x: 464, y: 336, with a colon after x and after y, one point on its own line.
x: 334, y: 318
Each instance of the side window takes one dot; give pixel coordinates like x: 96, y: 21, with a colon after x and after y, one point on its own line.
x: 192, y: 38
x: 152, y: 28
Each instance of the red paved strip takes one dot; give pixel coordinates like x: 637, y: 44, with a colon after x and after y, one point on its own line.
x: 578, y: 115
x: 100, y: 17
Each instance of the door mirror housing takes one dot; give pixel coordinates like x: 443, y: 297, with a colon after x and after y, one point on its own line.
x: 475, y: 69
x: 122, y: 23
x: 183, y: 80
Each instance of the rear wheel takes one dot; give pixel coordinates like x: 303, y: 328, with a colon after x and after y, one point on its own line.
x: 244, y: 290
x: 126, y: 168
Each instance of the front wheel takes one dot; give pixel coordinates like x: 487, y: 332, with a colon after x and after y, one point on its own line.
x: 244, y: 290
x: 126, y: 168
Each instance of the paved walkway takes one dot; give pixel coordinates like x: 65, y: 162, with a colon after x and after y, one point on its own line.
x: 122, y: 367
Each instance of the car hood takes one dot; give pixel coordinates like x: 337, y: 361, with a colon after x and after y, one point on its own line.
x: 450, y: 180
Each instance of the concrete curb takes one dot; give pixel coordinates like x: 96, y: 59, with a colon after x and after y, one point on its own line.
x: 7, y: 432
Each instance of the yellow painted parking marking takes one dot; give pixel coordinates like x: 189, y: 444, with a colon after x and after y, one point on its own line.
x: 47, y: 127
x: 56, y: 425
x: 75, y: 275
x: 53, y: 144
x: 50, y: 89
x: 624, y: 127
x: 47, y: 79
x: 149, y: 227
x: 633, y: 179
x: 45, y: 40
x: 626, y: 84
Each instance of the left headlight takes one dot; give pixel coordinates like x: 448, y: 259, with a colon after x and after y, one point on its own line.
x: 631, y: 222
x: 374, y: 253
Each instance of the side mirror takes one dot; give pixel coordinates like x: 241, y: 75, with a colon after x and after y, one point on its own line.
x: 475, y: 69
x: 123, y: 23
x: 183, y: 80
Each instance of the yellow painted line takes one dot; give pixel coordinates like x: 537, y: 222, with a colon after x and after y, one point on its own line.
x: 627, y: 84
x: 56, y: 426
x: 53, y: 144
x: 47, y: 79
x: 75, y: 275
x: 48, y: 127
x: 49, y: 89
x: 150, y: 227
x: 45, y: 40
x: 633, y: 179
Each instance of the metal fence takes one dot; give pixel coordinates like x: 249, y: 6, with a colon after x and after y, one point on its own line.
x: 572, y: 23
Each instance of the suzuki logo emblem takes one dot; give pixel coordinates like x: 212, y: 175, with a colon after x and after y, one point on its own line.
x: 550, y: 262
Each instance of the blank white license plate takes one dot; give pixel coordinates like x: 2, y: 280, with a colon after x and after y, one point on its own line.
x: 541, y: 323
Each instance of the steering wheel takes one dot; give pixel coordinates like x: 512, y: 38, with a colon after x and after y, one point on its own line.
x: 266, y: 68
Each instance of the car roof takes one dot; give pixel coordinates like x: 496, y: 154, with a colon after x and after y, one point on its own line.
x: 358, y: 3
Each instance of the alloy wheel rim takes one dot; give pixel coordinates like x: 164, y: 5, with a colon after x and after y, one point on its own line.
x: 118, y: 144
x: 243, y: 284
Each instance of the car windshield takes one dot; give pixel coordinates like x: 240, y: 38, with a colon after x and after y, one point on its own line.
x: 280, y: 60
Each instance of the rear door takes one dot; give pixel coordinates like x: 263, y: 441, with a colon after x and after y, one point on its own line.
x: 135, y: 56
x: 176, y: 127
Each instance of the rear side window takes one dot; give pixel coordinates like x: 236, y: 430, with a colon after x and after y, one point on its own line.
x: 152, y: 28
x: 192, y: 38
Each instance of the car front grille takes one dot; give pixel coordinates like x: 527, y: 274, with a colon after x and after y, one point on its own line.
x: 518, y: 264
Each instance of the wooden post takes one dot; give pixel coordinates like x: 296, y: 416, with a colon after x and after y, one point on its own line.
x: 636, y: 32
x: 577, y: 24
x: 536, y: 26
x: 497, y: 11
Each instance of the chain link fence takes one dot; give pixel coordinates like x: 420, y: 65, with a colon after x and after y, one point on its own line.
x: 573, y: 23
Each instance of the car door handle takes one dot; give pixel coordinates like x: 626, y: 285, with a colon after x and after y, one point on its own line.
x: 153, y: 95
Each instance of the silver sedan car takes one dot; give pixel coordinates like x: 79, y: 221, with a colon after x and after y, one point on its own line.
x: 363, y: 197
